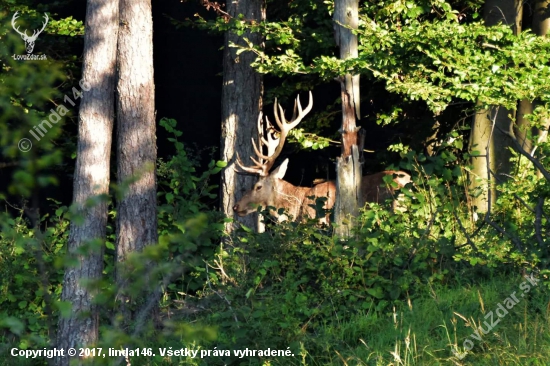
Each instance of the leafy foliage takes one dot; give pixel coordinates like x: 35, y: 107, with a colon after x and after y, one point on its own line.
x: 29, y: 257
x: 185, y: 208
x: 296, y: 286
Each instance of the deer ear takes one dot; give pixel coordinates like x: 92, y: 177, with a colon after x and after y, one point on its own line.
x: 281, y: 170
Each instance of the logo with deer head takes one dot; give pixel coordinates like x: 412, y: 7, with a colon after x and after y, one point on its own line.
x: 29, y: 40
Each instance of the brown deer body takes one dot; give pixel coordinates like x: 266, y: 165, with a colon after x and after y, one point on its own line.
x: 271, y: 190
x: 297, y: 201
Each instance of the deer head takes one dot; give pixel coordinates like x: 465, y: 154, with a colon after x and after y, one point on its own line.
x: 264, y: 193
x: 29, y: 40
x: 271, y: 189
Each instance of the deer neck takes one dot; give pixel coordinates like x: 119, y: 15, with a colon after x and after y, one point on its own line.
x: 290, y: 197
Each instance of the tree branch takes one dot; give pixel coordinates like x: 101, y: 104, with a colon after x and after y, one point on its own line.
x: 522, y: 151
x: 514, y: 240
x: 463, y: 229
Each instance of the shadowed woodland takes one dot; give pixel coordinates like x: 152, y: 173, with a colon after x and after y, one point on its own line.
x: 265, y: 182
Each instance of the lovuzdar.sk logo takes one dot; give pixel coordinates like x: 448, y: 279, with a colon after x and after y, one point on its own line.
x: 29, y: 40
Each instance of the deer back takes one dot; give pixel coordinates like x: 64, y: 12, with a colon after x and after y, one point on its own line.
x: 375, y: 189
x: 326, y: 190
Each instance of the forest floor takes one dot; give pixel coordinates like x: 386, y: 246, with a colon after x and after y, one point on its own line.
x: 497, y: 322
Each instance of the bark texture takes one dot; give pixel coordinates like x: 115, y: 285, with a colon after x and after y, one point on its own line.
x: 348, y: 193
x: 492, y: 165
x: 541, y: 17
x: 241, y: 104
x: 346, y: 18
x: 540, y: 25
x: 523, y: 126
x: 91, y: 177
x: 136, y: 140
x: 348, y: 167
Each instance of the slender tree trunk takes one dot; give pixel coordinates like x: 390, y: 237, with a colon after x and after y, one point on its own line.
x: 348, y: 167
x: 486, y: 136
x: 540, y: 25
x: 136, y: 140
x: 241, y: 104
x: 541, y: 17
x: 91, y: 177
x: 523, y: 126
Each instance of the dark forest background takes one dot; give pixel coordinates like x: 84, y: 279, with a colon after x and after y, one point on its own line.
x: 415, y: 282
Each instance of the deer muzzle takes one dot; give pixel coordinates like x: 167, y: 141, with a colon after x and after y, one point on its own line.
x: 237, y: 209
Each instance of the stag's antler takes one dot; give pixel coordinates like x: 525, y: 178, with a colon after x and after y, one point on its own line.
x: 13, y: 19
x: 274, y: 144
x: 24, y: 34
x: 43, y: 26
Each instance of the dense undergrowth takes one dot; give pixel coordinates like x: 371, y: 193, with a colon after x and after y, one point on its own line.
x: 432, y: 283
x: 410, y: 288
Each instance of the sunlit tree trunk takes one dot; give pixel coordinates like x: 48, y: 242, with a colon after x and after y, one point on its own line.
x: 136, y: 140
x: 492, y: 165
x: 91, y: 177
x: 241, y: 103
x: 348, y: 167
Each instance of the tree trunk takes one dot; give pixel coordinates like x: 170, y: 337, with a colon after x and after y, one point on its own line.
x: 348, y: 167
x: 136, y: 140
x: 91, y: 177
x: 540, y: 25
x: 486, y: 136
x: 349, y: 178
x: 541, y: 17
x: 509, y: 12
x: 241, y: 104
x: 522, y: 126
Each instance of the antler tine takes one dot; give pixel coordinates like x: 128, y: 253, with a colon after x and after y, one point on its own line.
x: 263, y: 162
x: 301, y: 113
x: 43, y: 26
x: 260, y: 123
x: 46, y: 20
x: 274, y: 145
x: 272, y: 142
x: 285, y: 126
x: 258, y: 152
x: 264, y: 142
x: 13, y: 19
x: 253, y: 170
x: 276, y: 114
x: 296, y: 101
x: 261, y: 129
x: 258, y: 163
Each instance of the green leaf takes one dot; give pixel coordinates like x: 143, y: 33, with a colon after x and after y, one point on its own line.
x: 376, y: 292
x: 65, y: 308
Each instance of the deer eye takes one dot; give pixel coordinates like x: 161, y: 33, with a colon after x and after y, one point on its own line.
x: 258, y: 188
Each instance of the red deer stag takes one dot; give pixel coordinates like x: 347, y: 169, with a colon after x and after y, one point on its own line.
x: 272, y: 190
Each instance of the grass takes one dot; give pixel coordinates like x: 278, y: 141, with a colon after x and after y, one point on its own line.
x: 422, y: 331
x: 425, y: 331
